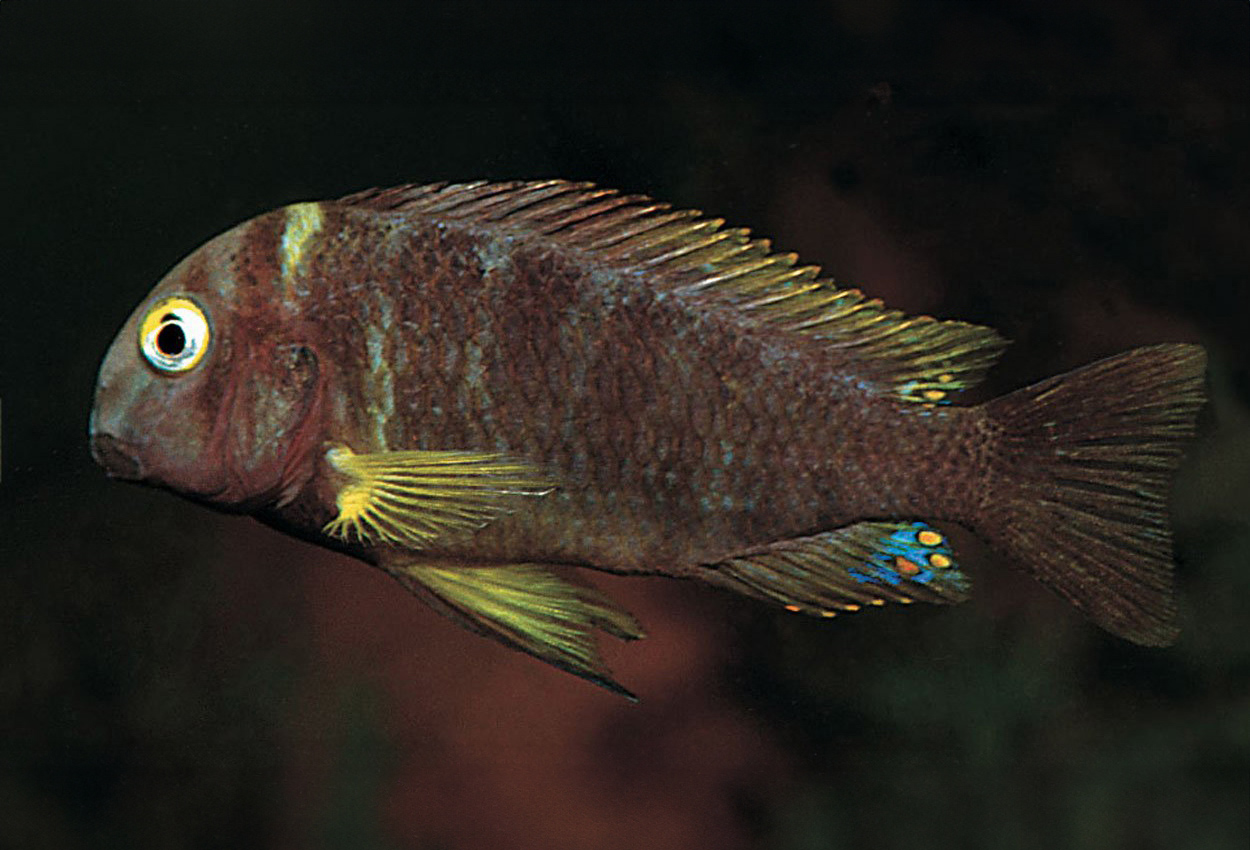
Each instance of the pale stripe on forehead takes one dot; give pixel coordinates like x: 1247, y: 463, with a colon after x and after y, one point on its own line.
x: 303, y: 222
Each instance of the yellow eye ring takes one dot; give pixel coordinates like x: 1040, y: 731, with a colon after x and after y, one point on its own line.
x: 174, y: 335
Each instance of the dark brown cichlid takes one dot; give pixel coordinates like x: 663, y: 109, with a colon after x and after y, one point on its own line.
x: 472, y: 386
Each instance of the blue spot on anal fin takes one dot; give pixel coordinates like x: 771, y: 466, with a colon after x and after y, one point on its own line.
x: 914, y: 552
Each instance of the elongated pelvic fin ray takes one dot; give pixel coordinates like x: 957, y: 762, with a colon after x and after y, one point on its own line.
x: 527, y: 608
x: 868, y: 563
x: 414, y: 498
x: 916, y: 358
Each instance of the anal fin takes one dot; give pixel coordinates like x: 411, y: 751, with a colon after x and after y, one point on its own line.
x: 868, y: 563
x: 527, y: 608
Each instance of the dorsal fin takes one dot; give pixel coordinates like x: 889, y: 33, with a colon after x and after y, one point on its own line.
x: 917, y: 358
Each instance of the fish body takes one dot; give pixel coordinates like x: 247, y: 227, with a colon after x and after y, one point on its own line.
x: 470, y: 385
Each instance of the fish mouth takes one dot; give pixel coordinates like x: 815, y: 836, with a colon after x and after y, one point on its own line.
x: 117, y: 458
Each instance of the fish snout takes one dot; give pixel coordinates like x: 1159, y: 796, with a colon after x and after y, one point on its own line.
x: 118, y: 459
x: 111, y: 435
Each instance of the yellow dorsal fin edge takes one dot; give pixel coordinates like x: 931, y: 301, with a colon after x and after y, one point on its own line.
x: 916, y: 358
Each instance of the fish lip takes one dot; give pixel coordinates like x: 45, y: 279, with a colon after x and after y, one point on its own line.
x: 119, y: 459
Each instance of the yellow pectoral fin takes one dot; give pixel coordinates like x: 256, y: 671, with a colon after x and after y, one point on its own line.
x: 414, y: 498
x: 527, y: 608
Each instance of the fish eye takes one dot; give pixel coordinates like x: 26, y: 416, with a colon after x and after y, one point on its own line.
x: 174, y: 335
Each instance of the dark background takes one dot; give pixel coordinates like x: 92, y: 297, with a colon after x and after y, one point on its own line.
x: 1072, y: 173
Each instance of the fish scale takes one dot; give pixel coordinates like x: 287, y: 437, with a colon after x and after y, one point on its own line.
x: 474, y: 386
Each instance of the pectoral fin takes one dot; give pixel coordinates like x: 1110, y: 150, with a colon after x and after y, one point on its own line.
x: 415, y: 498
x: 527, y: 608
x: 869, y: 563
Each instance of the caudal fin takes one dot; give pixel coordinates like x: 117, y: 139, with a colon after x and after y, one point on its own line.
x: 1079, y: 492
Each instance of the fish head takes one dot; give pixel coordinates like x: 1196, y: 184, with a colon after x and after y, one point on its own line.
x: 208, y: 389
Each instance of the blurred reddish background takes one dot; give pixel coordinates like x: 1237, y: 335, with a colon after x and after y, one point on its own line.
x: 1072, y: 174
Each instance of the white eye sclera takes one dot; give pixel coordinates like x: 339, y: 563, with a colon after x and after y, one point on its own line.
x: 174, y: 335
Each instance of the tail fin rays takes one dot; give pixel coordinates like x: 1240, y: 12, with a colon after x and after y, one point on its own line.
x: 1079, y: 498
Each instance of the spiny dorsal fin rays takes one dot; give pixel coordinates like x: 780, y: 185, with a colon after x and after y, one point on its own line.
x: 477, y: 199
x: 527, y: 608
x: 917, y: 358
x: 412, y: 499
x: 868, y: 563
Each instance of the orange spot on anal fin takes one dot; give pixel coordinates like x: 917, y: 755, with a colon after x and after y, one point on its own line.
x: 906, y: 567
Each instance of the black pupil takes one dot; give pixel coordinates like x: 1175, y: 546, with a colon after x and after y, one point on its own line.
x: 171, y: 340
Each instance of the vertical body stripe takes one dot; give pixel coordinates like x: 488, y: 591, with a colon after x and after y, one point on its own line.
x: 379, y: 349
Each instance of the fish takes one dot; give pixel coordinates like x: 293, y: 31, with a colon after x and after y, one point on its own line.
x: 481, y: 387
